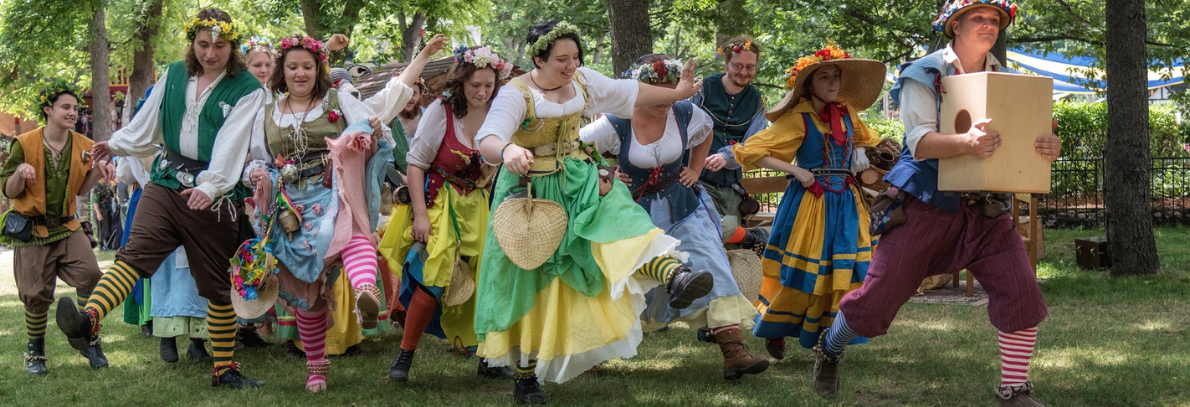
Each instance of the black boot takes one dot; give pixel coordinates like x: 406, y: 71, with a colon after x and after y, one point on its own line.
x: 249, y: 338
x: 79, y: 327
x: 198, y: 350
x: 35, y: 359
x: 528, y: 391
x: 685, y: 286
x: 292, y: 351
x: 705, y: 335
x: 755, y: 237
x: 168, y: 350
x: 399, y: 371
x: 498, y: 372
x: 94, y: 354
x: 233, y: 379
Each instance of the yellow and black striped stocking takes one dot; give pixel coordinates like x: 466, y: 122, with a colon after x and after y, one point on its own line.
x: 660, y: 268
x: 35, y: 324
x: 113, y: 288
x: 221, y: 324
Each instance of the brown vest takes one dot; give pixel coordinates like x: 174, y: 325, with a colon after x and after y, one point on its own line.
x: 32, y: 201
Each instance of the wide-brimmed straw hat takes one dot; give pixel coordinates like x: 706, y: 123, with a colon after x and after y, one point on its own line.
x: 956, y: 8
x: 863, y: 80
x: 747, y: 271
x: 462, y: 286
x: 266, y: 296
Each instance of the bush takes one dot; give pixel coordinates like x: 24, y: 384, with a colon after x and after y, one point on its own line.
x: 1083, y: 129
x: 887, y: 128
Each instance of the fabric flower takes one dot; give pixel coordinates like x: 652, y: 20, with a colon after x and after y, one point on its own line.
x: 333, y: 116
x: 285, y: 43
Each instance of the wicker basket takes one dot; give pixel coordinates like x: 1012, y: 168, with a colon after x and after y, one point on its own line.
x: 266, y: 296
x: 529, y: 230
x: 462, y: 286
x: 746, y: 269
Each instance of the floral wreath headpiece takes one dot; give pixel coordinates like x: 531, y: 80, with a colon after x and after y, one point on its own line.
x: 257, y: 43
x: 483, y: 57
x: 305, y: 41
x: 218, y: 29
x: 831, y: 52
x: 737, y: 47
x: 56, y: 88
x: 955, y: 6
x: 660, y: 71
x: 543, y: 42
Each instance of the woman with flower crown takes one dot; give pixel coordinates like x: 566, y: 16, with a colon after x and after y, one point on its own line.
x: 819, y: 248
x: 661, y: 151
x: 447, y: 218
x: 576, y: 302
x: 319, y: 193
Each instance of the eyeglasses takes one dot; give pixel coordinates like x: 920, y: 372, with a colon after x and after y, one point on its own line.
x: 742, y: 67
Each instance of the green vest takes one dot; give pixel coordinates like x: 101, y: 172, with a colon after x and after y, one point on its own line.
x: 732, y: 116
x: 228, y: 92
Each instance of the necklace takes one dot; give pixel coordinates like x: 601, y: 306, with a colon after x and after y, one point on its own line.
x: 542, y: 88
x: 298, y: 135
x: 55, y: 153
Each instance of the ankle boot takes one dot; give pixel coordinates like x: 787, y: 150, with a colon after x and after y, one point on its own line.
x: 35, y: 358
x: 168, y: 349
x: 497, y: 372
x: 755, y: 237
x: 94, y: 354
x: 234, y: 379
x: 367, y: 305
x: 1017, y: 396
x: 526, y: 390
x: 776, y: 347
x: 81, y: 327
x: 685, y: 286
x: 198, y: 350
x: 826, y: 369
x: 399, y: 371
x: 737, y: 362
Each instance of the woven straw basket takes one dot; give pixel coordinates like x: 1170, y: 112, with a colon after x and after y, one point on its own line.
x: 529, y: 230
x: 266, y: 296
x: 745, y: 267
x: 462, y: 286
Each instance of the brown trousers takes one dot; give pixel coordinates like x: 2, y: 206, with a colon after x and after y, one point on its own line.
x: 163, y: 221
x: 37, y: 267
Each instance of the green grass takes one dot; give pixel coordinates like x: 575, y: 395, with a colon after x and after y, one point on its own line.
x: 1108, y: 341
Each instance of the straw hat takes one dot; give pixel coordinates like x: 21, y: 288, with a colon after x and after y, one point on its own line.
x: 956, y: 8
x: 529, y: 230
x: 266, y: 296
x: 462, y: 286
x: 863, y: 80
x: 746, y: 269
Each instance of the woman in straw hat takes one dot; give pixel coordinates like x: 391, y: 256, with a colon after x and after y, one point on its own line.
x: 819, y: 248
x: 448, y: 218
x: 945, y: 233
x: 661, y: 156
x: 571, y: 302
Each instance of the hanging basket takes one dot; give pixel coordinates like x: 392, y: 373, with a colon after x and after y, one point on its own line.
x: 529, y: 230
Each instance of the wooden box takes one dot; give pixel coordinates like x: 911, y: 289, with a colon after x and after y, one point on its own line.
x: 1091, y: 252
x: 1021, y: 109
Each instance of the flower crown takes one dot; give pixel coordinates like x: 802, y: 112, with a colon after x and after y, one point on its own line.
x: 218, y: 29
x: 831, y: 52
x: 543, y: 42
x: 257, y: 43
x: 736, y: 47
x: 483, y: 57
x: 55, y: 88
x: 954, y: 7
x: 305, y: 41
x: 660, y: 71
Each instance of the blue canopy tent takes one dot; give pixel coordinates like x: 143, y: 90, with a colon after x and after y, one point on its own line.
x: 1067, y: 71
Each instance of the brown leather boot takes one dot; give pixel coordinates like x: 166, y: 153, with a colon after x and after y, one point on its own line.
x: 826, y: 369
x: 737, y: 362
x: 1018, y: 397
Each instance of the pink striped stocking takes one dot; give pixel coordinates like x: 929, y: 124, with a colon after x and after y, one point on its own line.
x: 1016, y: 351
x: 312, y: 329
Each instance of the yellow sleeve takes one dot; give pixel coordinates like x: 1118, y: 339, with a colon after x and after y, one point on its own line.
x: 781, y: 141
x: 862, y: 135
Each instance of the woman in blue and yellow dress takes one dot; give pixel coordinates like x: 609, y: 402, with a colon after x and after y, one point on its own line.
x: 820, y: 247
x: 582, y: 306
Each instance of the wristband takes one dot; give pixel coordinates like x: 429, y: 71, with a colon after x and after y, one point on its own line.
x: 504, y: 148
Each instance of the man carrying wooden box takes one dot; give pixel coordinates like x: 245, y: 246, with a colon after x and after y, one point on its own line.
x: 943, y: 232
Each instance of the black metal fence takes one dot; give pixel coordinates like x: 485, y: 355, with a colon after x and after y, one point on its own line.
x: 1076, y: 192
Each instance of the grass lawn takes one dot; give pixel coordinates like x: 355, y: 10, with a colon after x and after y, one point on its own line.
x: 1107, y: 342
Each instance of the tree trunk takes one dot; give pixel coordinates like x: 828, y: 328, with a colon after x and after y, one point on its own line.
x: 101, y: 115
x: 597, y: 53
x: 1126, y: 174
x: 1000, y: 49
x: 310, y: 13
x: 630, y: 32
x: 142, y: 59
x: 411, y: 37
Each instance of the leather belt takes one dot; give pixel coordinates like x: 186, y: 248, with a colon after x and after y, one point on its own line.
x: 50, y: 221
